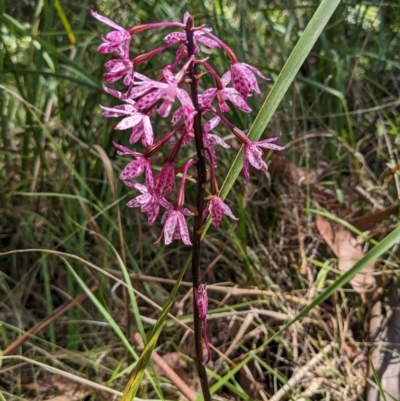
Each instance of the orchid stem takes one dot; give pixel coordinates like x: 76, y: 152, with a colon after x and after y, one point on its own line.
x: 198, y: 215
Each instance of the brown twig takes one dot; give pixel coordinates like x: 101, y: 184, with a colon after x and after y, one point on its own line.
x: 168, y: 372
x: 46, y: 321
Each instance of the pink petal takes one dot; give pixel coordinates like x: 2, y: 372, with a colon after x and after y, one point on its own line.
x: 166, y: 204
x: 142, y: 78
x: 211, y: 156
x: 148, y: 135
x: 169, y: 227
x: 106, y: 20
x: 219, y: 141
x: 222, y: 104
x: 149, y: 177
x: 175, y: 37
x: 129, y: 122
x: 153, y: 209
x: 272, y: 147
x: 177, y: 115
x: 254, y: 69
x: 117, y: 37
x: 188, y: 115
x: 227, y: 211
x: 111, y: 77
x: 118, y: 111
x: 137, y: 133
x: 232, y: 95
x: 106, y: 48
x: 166, y: 180
x: 187, y: 212
x: 181, y: 52
x: 207, y: 41
x: 169, y: 76
x: 255, y: 158
x: 226, y: 78
x: 114, y: 92
x: 184, y: 98
x: 211, y: 124
x: 208, y: 96
x: 140, y: 187
x: 128, y: 80
x: 139, y: 200
x: 165, y: 108
x: 123, y: 150
x: 183, y: 230
x: 242, y: 79
x: 132, y: 170
x: 186, y: 17
x: 150, y: 99
x: 140, y: 90
x: 266, y: 143
x: 216, y: 212
x: 115, y: 65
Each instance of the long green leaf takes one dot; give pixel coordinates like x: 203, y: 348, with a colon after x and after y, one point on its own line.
x: 137, y: 374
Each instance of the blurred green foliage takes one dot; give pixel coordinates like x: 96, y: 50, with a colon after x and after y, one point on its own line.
x: 56, y: 193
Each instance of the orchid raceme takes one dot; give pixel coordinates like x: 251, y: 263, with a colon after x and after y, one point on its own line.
x: 173, y: 90
x: 145, y: 95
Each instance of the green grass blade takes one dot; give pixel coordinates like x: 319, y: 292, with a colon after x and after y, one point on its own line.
x: 136, y: 377
x: 65, y: 21
x: 377, y: 380
x: 102, y: 310
x: 88, y: 78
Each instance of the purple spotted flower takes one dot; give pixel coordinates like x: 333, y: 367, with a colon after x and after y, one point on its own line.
x: 149, y: 201
x: 217, y: 209
x: 133, y: 118
x: 167, y: 91
x: 198, y: 36
x: 115, y: 41
x: 175, y: 226
x: 153, y: 194
x: 253, y: 154
x: 244, y: 80
x: 211, y: 139
x: 201, y: 300
x: 174, y: 223
x: 223, y: 94
x: 135, y: 168
x: 117, y: 68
